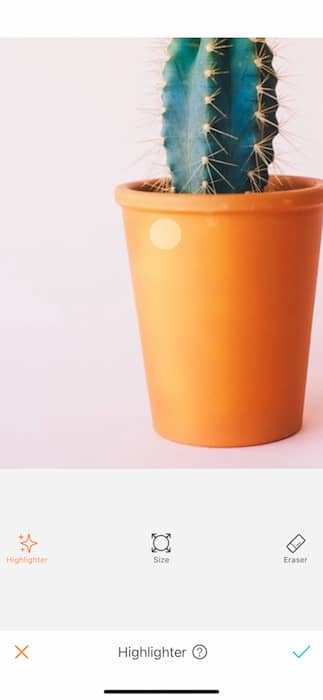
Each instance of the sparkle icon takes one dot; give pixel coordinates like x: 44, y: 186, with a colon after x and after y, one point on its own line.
x: 27, y: 543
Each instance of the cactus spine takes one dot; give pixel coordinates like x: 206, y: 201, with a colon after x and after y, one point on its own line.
x: 219, y: 116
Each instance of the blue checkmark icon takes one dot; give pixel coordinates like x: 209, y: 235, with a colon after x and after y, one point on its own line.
x: 299, y: 656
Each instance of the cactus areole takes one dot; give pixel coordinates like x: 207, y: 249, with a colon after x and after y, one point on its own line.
x: 219, y: 114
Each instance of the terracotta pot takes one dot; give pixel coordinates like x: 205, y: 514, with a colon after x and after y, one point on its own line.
x: 224, y: 288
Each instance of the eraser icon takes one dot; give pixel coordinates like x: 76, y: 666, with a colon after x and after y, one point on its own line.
x: 296, y: 543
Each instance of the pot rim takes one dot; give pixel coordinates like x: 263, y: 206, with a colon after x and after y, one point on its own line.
x: 296, y: 192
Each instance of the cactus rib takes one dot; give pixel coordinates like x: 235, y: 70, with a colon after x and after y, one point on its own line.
x: 219, y: 116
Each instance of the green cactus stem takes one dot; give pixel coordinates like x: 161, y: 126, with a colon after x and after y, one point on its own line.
x: 219, y: 116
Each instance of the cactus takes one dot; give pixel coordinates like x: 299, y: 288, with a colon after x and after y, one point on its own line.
x: 219, y: 114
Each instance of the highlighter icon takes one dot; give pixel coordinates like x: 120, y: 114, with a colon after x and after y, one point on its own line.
x: 295, y: 543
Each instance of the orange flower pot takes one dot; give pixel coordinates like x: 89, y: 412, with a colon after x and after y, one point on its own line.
x: 224, y: 288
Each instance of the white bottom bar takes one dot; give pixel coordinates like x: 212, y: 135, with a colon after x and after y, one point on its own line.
x: 241, y: 665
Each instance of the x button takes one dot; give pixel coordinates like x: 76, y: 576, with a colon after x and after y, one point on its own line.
x: 21, y: 652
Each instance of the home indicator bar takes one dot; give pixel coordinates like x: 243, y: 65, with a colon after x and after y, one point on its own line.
x: 162, y: 692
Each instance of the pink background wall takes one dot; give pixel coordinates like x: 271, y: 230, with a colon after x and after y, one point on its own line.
x: 76, y: 118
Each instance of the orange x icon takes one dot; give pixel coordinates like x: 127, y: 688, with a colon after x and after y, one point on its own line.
x: 21, y: 652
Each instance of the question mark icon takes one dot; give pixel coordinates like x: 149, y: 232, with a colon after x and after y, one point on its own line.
x: 199, y: 651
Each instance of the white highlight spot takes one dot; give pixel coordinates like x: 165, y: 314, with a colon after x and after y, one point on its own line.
x: 165, y: 234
